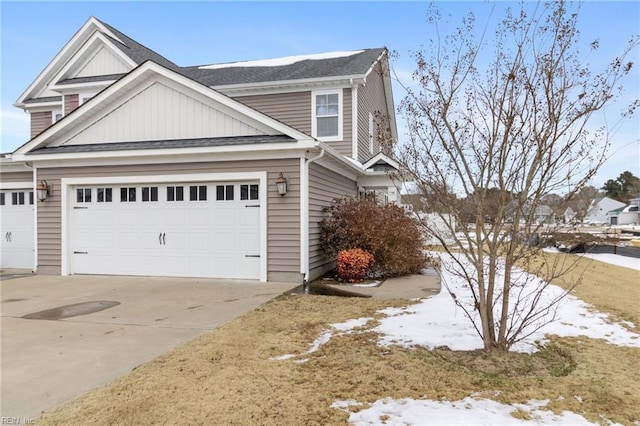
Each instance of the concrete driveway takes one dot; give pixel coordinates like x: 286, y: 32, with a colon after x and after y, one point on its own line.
x: 46, y: 362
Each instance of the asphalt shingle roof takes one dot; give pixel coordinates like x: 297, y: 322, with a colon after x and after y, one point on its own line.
x: 165, y: 144
x: 312, y: 68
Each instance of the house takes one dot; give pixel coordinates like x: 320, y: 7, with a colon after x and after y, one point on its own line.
x: 569, y: 216
x: 144, y: 167
x: 544, y: 214
x: 598, y: 209
x: 626, y: 215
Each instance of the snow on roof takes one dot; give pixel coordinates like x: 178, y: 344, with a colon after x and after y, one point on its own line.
x: 287, y: 60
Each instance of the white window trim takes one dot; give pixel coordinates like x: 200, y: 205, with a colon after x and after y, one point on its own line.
x: 314, y: 121
x: 83, y: 95
x: 55, y: 111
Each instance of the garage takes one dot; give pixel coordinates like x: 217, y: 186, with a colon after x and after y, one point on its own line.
x: 17, y: 228
x: 175, y: 229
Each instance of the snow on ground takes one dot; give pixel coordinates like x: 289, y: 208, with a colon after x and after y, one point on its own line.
x: 437, y: 321
x: 466, y: 411
x: 276, y: 62
x: 614, y: 259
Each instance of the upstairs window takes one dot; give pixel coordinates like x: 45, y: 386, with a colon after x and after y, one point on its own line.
x: 327, y: 115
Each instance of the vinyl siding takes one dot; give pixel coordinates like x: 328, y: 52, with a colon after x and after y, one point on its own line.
x: 294, y: 109
x: 40, y: 121
x: 371, y: 98
x: 283, y: 213
x: 11, y: 177
x: 71, y: 102
x: 103, y: 62
x: 324, y: 186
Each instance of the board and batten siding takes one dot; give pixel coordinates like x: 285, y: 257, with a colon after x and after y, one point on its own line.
x: 163, y: 111
x: 40, y: 121
x: 283, y: 213
x: 371, y: 98
x: 294, y: 109
x: 13, y: 177
x: 324, y: 186
x: 71, y: 102
x: 103, y: 62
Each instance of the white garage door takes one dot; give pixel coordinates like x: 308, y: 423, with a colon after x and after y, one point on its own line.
x: 180, y: 230
x: 16, y: 229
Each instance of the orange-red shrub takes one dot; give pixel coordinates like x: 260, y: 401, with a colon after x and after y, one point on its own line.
x: 354, y: 264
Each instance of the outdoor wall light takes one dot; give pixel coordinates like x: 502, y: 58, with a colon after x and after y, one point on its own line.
x: 42, y: 189
x: 281, y: 184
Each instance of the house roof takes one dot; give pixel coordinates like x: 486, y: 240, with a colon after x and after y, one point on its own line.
x: 164, y: 144
x: 136, y: 51
x: 297, y: 68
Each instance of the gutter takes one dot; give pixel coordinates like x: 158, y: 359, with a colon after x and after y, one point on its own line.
x: 304, y: 215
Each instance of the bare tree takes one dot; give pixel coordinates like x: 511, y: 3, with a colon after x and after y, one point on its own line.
x: 504, y: 123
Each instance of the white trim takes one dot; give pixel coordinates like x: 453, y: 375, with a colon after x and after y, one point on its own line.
x: 90, y: 49
x: 354, y: 122
x: 64, y: 55
x: 66, y: 184
x: 381, y: 156
x: 73, y: 88
x: 31, y: 106
x: 35, y: 221
x: 314, y: 123
x: 248, y: 151
x: 17, y: 185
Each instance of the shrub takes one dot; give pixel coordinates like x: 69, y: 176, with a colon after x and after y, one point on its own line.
x: 386, y: 231
x: 354, y: 264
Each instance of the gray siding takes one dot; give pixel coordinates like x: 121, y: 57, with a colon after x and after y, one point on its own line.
x: 71, y: 102
x: 7, y: 177
x: 324, y: 186
x: 371, y: 98
x: 294, y: 109
x: 40, y: 121
x: 283, y: 213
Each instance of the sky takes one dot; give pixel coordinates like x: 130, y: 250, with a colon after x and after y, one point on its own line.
x: 437, y: 321
x: 205, y: 32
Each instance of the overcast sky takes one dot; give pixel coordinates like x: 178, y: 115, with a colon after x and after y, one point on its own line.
x: 195, y: 33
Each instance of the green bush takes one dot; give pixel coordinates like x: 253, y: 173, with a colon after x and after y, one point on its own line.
x: 354, y: 264
x: 386, y: 231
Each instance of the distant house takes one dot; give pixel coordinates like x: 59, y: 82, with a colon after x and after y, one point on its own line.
x: 626, y: 215
x: 544, y: 214
x: 598, y: 209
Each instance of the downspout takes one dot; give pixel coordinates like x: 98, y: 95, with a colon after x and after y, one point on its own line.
x: 304, y: 218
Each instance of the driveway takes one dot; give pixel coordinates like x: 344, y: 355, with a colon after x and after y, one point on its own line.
x: 46, y: 362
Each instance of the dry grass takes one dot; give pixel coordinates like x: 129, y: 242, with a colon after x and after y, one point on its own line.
x: 226, y: 377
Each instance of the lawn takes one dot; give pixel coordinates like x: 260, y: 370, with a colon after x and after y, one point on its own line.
x: 230, y: 376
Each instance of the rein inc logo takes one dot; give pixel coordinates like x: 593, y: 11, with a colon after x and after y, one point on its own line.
x: 17, y: 421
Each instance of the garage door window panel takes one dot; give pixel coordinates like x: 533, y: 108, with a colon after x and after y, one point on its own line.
x: 105, y: 195
x: 175, y: 193
x: 2, y: 198
x: 248, y: 192
x: 198, y: 193
x: 224, y: 193
x: 17, y: 198
x: 149, y: 193
x: 127, y: 195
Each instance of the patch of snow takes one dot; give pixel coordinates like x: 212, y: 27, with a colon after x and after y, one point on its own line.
x: 343, y: 405
x: 281, y: 357
x: 373, y: 284
x: 349, y: 325
x: 323, y: 339
x: 550, y: 250
x: 614, y: 259
x: 277, y: 62
x: 438, y: 321
x: 483, y: 411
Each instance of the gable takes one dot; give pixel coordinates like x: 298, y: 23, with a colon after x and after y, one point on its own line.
x: 102, y: 62
x: 163, y: 110
x: 153, y: 103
